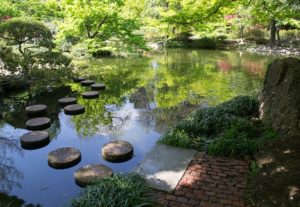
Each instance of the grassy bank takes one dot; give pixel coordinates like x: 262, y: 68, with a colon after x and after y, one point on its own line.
x: 231, y: 129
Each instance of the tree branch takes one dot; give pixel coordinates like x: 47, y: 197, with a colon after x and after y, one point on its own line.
x: 90, y: 35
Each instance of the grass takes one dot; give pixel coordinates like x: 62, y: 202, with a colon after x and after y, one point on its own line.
x: 118, y: 190
x: 224, y: 130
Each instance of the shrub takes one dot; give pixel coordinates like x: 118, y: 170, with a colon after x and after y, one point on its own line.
x: 254, y: 34
x: 207, y: 43
x: 224, y: 130
x: 115, y: 191
x: 234, y: 143
x: 98, y: 53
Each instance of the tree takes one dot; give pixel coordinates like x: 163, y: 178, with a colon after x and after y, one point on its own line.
x: 28, y: 46
x: 275, y: 12
x: 100, y: 23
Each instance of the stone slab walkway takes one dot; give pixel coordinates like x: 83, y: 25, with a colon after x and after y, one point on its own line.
x: 208, y: 182
x: 164, y: 166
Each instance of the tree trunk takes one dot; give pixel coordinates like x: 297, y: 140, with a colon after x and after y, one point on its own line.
x: 272, y: 33
x: 278, y: 37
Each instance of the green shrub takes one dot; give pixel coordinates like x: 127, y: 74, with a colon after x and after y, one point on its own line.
x: 234, y: 143
x: 254, y: 34
x: 115, y: 191
x: 207, y: 43
x: 98, y: 53
x: 225, y: 130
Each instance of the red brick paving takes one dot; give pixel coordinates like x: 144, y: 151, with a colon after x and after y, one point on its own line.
x: 208, y: 182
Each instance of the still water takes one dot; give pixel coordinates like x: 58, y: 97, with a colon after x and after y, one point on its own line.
x: 144, y: 96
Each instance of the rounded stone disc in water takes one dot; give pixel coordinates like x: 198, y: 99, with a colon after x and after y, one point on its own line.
x: 90, y: 94
x: 87, y: 82
x: 36, y: 109
x: 77, y: 80
x: 89, y: 174
x: 35, y: 139
x: 117, y: 151
x: 38, y: 123
x: 98, y: 86
x: 67, y: 101
x: 74, y: 109
x: 64, y: 157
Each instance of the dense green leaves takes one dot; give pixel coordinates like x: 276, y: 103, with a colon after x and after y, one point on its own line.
x: 116, y: 191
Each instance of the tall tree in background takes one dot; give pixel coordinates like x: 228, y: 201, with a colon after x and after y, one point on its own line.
x: 275, y: 12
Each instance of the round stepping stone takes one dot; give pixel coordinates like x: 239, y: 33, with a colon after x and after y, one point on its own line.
x: 90, y: 174
x: 90, y: 94
x: 98, y: 86
x: 67, y: 101
x: 38, y: 123
x: 117, y: 151
x: 74, y: 109
x: 64, y: 157
x: 87, y: 82
x: 78, y: 80
x: 36, y: 139
x: 36, y: 109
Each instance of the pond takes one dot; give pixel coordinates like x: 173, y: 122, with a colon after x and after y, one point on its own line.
x: 143, y: 97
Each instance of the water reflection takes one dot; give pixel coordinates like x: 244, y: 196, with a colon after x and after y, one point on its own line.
x: 143, y: 97
x: 10, y: 176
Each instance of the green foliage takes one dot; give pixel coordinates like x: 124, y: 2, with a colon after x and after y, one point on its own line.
x: 99, y: 24
x: 115, y: 191
x: 27, y: 52
x: 224, y: 130
x: 18, y: 31
x: 207, y: 43
x: 234, y: 143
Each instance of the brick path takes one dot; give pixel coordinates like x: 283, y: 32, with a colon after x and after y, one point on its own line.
x: 208, y: 181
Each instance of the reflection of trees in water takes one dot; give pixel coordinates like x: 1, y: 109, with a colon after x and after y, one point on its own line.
x: 14, y: 107
x: 9, y: 175
x: 14, y: 201
x: 177, y: 82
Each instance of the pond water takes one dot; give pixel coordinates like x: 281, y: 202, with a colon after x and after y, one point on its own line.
x: 144, y: 96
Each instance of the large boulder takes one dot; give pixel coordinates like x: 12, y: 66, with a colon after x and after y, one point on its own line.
x: 280, y: 98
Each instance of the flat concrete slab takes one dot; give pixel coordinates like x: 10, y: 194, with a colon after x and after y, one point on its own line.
x: 164, y: 166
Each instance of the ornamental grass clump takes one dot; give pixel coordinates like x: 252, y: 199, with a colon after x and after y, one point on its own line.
x: 225, y: 130
x: 118, y: 190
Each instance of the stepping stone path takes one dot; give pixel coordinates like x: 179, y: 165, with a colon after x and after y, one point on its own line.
x: 89, y: 174
x: 38, y: 123
x: 78, y: 80
x: 36, y: 109
x: 90, y: 94
x: 64, y: 157
x: 35, y: 139
x: 117, y: 151
x: 87, y: 82
x: 67, y: 101
x: 74, y: 109
x: 98, y: 86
